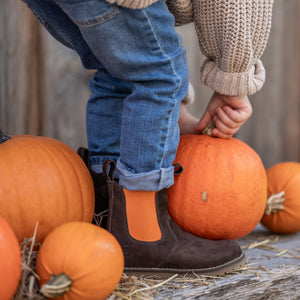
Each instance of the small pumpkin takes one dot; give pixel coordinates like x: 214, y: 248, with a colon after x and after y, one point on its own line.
x: 282, y: 214
x: 42, y: 180
x: 79, y: 260
x: 10, y: 261
x: 221, y: 193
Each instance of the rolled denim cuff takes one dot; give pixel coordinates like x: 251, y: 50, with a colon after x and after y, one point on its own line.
x: 155, y: 180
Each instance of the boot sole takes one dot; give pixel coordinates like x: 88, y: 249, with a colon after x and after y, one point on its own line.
x: 223, y: 269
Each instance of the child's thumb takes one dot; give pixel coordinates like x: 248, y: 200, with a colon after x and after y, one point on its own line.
x: 204, y: 121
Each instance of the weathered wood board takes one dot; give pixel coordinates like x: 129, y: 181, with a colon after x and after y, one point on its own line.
x: 273, y: 272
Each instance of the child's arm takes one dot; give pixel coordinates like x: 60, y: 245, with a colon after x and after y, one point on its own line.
x: 182, y: 11
x: 232, y: 35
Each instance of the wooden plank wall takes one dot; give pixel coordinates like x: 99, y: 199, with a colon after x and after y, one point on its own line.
x: 19, y: 69
x: 43, y: 87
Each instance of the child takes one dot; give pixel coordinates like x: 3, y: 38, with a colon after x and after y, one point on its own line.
x: 132, y: 116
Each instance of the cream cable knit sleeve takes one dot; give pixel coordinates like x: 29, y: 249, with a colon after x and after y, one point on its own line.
x: 233, y: 35
x: 182, y: 11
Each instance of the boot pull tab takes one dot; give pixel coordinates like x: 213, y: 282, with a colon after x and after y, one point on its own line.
x: 178, y: 169
x: 85, y: 156
x: 109, y: 167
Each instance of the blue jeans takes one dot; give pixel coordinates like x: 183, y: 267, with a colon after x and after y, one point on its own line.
x: 141, y: 77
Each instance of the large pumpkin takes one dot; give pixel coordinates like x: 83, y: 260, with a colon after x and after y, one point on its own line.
x: 10, y: 261
x: 42, y: 180
x: 79, y: 260
x: 282, y: 213
x: 221, y: 193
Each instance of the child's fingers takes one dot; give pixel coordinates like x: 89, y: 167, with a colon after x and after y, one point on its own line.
x: 225, y: 125
x: 225, y: 118
x: 217, y: 133
x: 238, y: 116
x: 205, y: 119
x: 223, y: 128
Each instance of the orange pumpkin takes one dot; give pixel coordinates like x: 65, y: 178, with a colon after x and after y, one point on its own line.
x: 42, y: 180
x: 282, y: 214
x: 79, y: 260
x: 221, y: 193
x: 10, y: 261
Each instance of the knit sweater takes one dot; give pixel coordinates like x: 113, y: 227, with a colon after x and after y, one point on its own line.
x: 232, y: 35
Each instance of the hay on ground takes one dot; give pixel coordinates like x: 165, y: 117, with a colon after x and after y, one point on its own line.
x: 253, y: 281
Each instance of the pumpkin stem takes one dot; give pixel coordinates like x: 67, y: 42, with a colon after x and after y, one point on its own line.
x: 3, y: 137
x: 275, y: 203
x: 209, y: 128
x: 56, y: 286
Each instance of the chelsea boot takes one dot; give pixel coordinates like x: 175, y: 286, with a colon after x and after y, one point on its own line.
x: 101, y: 192
x: 177, y: 251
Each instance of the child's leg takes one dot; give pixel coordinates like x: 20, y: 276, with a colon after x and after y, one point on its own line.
x: 103, y: 117
x: 135, y: 48
x: 153, y: 61
x: 140, y: 47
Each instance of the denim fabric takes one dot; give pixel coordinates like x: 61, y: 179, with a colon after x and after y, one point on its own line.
x: 141, y: 78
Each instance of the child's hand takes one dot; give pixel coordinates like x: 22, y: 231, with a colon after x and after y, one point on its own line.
x: 228, y: 113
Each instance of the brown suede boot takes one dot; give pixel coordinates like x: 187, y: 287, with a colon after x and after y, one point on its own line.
x: 177, y: 251
x: 101, y: 192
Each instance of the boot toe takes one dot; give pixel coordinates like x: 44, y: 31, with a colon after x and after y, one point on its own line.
x: 195, y: 254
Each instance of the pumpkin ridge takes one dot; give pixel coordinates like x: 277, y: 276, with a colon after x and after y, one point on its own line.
x: 76, y: 173
x: 10, y: 260
x: 51, y: 160
x: 77, y: 179
x: 19, y: 208
x: 40, y: 191
x: 68, y: 157
x: 18, y: 203
x: 52, y: 266
x: 58, y: 166
x: 287, y: 182
x: 294, y: 207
